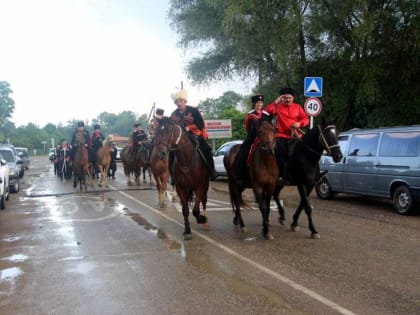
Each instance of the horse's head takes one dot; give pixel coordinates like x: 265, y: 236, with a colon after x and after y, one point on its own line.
x: 266, y: 135
x: 80, y: 138
x: 329, y: 140
x: 168, y: 134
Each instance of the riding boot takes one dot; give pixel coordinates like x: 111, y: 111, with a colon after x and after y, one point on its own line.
x: 210, y: 164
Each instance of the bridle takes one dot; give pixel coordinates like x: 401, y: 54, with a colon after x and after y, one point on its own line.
x: 324, y: 142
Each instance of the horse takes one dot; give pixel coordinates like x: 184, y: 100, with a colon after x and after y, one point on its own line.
x: 145, y: 160
x: 131, y: 164
x: 189, y: 170
x: 159, y: 165
x: 261, y: 176
x: 302, y: 169
x: 103, y: 160
x: 80, y: 162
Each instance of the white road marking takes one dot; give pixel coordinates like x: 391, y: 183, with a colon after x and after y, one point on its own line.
x: 340, y: 309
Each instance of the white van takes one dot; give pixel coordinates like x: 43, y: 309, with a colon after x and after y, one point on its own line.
x: 382, y: 162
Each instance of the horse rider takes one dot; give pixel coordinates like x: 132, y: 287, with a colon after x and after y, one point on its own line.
x: 193, y: 122
x: 74, y: 144
x: 253, y: 116
x: 290, y: 118
x: 113, y: 165
x: 136, y: 138
x: 95, y: 142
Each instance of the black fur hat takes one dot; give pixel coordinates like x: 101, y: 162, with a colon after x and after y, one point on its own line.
x: 256, y: 98
x: 287, y: 90
x: 80, y: 124
x: 96, y: 126
x: 159, y: 111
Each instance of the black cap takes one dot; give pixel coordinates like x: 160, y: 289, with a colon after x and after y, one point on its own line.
x: 287, y: 90
x: 159, y: 111
x: 136, y: 125
x: 96, y: 127
x: 80, y: 124
x: 256, y: 98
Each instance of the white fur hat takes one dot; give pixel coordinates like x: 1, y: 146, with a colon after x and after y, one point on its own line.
x: 181, y: 94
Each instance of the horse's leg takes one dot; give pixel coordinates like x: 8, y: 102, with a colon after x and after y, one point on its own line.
x: 174, y: 193
x: 183, y: 196
x: 304, y: 204
x: 276, y: 197
x: 262, y: 204
x: 235, y: 195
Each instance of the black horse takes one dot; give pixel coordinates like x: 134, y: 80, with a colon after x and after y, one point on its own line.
x: 302, y: 169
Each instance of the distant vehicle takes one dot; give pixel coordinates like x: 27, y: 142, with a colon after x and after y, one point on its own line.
x: 118, y: 158
x: 220, y: 153
x: 4, y: 182
x: 14, y: 164
x: 24, y: 156
x: 51, y: 154
x: 19, y: 162
x: 383, y: 162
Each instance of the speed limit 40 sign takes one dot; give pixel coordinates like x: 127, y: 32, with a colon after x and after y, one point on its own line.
x: 313, y: 106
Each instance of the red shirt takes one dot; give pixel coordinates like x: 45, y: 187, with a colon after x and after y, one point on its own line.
x: 286, y: 116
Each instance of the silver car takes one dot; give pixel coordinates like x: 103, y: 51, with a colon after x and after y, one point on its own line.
x: 220, y: 153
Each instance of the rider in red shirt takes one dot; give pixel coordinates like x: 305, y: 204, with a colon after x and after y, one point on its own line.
x: 290, y: 118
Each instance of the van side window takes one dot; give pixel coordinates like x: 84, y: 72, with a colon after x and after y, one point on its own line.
x: 400, y: 144
x: 364, y: 145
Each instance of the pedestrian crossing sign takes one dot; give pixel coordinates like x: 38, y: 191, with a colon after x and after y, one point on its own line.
x: 313, y: 86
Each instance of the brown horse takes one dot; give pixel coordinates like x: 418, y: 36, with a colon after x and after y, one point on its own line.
x: 80, y: 162
x: 261, y: 177
x: 131, y: 165
x: 103, y: 160
x: 189, y: 170
x: 159, y: 165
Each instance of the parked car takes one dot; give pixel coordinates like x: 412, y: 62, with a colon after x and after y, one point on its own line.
x: 220, y: 153
x: 4, y: 182
x: 118, y: 158
x: 15, y: 165
x: 24, y: 156
x: 21, y: 168
x: 51, y: 154
x: 383, y: 162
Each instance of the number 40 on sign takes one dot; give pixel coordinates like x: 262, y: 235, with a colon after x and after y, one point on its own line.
x: 313, y: 106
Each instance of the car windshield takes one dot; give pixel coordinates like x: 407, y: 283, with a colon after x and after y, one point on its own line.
x: 7, y: 155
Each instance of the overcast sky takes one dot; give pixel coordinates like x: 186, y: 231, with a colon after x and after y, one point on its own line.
x: 73, y: 59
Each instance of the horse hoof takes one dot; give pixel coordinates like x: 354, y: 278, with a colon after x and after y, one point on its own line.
x: 235, y: 221
x: 269, y: 236
x: 201, y: 219
x: 282, y: 221
x: 187, y: 236
x: 244, y: 229
x: 315, y: 236
x: 294, y: 228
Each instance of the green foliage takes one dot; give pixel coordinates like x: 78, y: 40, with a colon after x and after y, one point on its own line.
x: 366, y: 51
x: 7, y: 105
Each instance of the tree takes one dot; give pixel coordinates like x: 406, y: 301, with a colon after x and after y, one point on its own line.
x: 7, y: 106
x: 367, y: 51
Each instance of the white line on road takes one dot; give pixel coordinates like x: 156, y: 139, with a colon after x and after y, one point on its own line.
x: 260, y: 267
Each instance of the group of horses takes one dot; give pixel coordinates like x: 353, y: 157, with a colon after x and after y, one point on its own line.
x: 192, y: 176
x: 83, y: 170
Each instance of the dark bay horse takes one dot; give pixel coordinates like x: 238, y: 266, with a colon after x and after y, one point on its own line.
x: 302, y: 169
x: 189, y: 170
x: 80, y: 162
x: 103, y: 160
x: 261, y: 177
x: 131, y: 164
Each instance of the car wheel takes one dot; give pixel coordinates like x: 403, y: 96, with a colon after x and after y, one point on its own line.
x: 15, y: 188
x: 403, y: 200
x: 323, y: 189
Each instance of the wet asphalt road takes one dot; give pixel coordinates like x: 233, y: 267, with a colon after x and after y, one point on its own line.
x: 113, y: 251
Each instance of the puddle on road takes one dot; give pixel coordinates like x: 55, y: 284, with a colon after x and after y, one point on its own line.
x: 170, y: 242
x: 16, y: 258
x: 10, y: 273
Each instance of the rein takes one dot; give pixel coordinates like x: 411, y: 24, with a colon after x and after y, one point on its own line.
x: 322, y: 140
